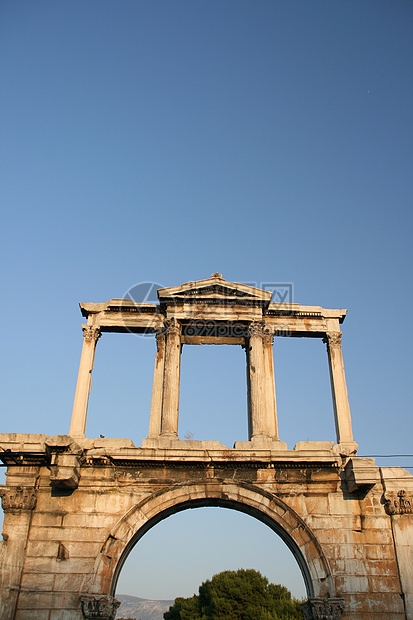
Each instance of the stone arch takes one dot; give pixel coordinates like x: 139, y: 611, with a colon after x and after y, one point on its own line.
x: 260, y: 504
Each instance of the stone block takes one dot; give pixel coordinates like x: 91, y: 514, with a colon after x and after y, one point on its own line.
x: 352, y: 583
x: 262, y: 443
x: 290, y: 519
x: 314, y: 446
x: 386, y: 568
x: 396, y: 478
x: 71, y: 582
x: 278, y: 509
x: 48, y: 600
x: 81, y: 501
x: 66, y: 614
x: 81, y: 520
x: 65, y: 534
x: 125, y: 530
x: 295, y: 502
x: 232, y: 491
x: 319, y: 570
x: 83, y: 549
x: 63, y: 443
x: 337, y: 505
x: 350, y: 551
x: 34, y: 614
x: 345, y: 523
x: 37, y: 581
x: 348, y: 567
x: 361, y: 473
x: 266, y: 475
x: 302, y: 535
x: 376, y: 602
x: 311, y: 550
x: 47, y: 519
x: 317, y: 504
x: 345, y: 449
x: 380, y: 552
x: 47, y: 565
x: 65, y: 471
x: 113, y: 443
x: 169, y: 443
x: 19, y: 442
x: 43, y: 549
x: 374, y: 537
x: 335, y: 536
x: 384, y: 583
x: 372, y: 522
x: 115, y: 502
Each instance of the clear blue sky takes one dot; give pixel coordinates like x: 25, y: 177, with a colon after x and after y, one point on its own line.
x: 165, y: 140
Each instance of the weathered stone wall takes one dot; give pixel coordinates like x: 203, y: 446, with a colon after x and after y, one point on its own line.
x: 68, y: 529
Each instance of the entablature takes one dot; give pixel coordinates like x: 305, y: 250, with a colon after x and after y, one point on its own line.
x: 39, y: 450
x: 223, y: 306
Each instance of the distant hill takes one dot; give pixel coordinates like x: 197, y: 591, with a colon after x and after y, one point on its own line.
x: 141, y: 608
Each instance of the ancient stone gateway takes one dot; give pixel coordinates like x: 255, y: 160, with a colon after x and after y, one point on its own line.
x: 75, y: 507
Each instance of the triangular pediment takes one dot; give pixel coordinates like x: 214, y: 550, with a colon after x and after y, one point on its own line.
x: 214, y: 288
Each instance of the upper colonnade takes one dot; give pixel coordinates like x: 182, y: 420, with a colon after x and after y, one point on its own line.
x: 214, y: 311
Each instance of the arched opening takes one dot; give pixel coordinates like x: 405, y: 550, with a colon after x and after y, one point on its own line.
x: 183, y: 550
x: 191, y: 545
x: 241, y: 496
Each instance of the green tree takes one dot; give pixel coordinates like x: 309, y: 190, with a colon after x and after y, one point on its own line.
x: 237, y: 595
x: 184, y: 609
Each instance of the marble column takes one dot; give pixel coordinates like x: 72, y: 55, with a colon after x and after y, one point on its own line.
x: 171, y: 378
x: 157, y: 388
x: 258, y: 384
x: 341, y: 405
x: 249, y: 408
x: 91, y: 335
x: 269, y: 381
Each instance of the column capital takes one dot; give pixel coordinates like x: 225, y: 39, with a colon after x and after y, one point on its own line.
x: 323, y: 608
x: 160, y: 338
x: 18, y: 498
x: 99, y: 606
x: 259, y: 329
x: 91, y: 333
x: 256, y: 328
x: 172, y: 327
x: 332, y: 339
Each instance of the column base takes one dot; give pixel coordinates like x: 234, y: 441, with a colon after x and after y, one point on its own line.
x: 174, y: 443
x: 261, y: 442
